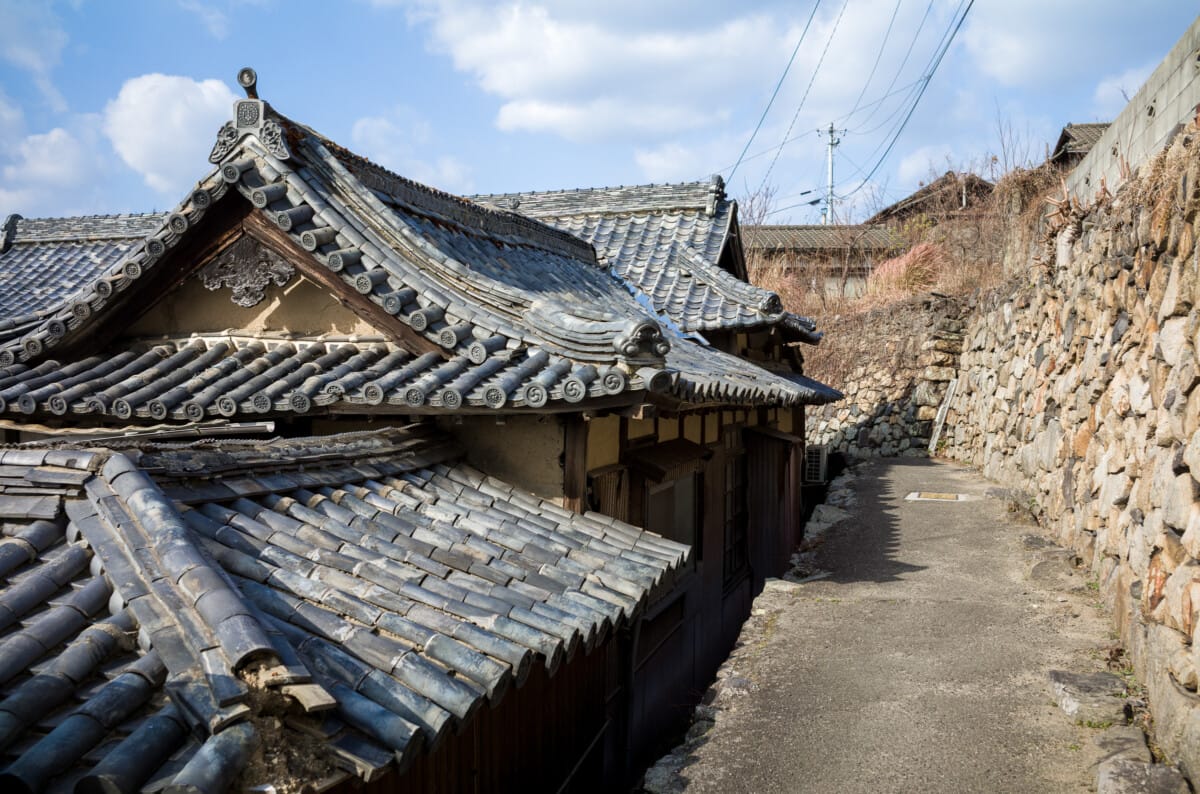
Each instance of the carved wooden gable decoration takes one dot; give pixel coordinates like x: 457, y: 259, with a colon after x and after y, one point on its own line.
x: 246, y: 268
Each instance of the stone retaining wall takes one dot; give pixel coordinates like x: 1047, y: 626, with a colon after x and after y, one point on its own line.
x: 1079, y: 389
x: 894, y: 365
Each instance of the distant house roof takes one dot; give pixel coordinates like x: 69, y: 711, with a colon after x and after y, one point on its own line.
x: 156, y: 599
x: 817, y: 238
x: 1076, y: 140
x: 949, y: 193
x: 477, y: 308
x: 668, y: 242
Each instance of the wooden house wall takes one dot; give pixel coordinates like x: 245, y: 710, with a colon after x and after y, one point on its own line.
x: 524, y: 450
x: 685, y: 636
x: 775, y: 462
x: 299, y: 307
x: 551, y: 734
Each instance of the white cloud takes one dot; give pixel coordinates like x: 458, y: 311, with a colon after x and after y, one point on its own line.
x: 676, y: 161
x: 1114, y: 92
x: 58, y: 172
x: 1034, y: 42
x: 603, y: 118
x: 32, y: 39
x: 594, y: 76
x: 11, y: 121
x: 215, y: 21
x: 926, y: 163
x: 52, y: 159
x: 163, y: 127
x: 394, y: 141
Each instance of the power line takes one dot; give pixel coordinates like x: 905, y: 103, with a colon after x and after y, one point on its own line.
x: 813, y: 79
x: 906, y: 87
x: 874, y: 102
x: 878, y: 57
x: 912, y: 90
x: 940, y: 54
x: 775, y: 93
x: 903, y: 61
x: 812, y: 203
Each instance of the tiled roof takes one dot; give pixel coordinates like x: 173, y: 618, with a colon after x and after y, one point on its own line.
x: 509, y: 301
x: 157, y: 605
x: 816, y: 238
x: 43, y: 262
x: 664, y: 241
x: 951, y: 192
x: 199, y: 378
x: 1078, y: 139
x: 452, y: 271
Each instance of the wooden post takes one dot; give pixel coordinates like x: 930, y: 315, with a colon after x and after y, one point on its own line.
x: 575, y: 433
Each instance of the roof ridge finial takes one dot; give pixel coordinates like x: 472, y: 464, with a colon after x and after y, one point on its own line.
x: 249, y: 118
x: 9, y: 231
x: 248, y: 79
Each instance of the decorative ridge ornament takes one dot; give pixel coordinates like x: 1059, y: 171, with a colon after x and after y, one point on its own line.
x: 248, y: 79
x: 249, y: 118
x: 9, y: 231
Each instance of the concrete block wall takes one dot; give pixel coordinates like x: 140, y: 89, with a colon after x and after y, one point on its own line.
x: 1168, y: 99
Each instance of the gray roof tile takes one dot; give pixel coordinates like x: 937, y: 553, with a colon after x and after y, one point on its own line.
x: 835, y: 237
x: 453, y: 271
x: 357, y: 589
x: 665, y: 241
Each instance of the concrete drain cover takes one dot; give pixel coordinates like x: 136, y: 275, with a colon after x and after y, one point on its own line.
x: 933, y: 496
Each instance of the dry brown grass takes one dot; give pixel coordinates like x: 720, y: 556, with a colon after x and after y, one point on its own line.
x: 915, y: 270
x: 944, y: 250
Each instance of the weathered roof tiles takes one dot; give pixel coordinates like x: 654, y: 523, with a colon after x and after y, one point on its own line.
x: 523, y: 314
x: 388, y: 590
x: 665, y: 241
x: 224, y: 377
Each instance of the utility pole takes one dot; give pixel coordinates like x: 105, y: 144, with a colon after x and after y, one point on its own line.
x: 827, y: 215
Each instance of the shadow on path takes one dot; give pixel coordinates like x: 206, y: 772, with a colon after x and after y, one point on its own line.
x: 866, y: 547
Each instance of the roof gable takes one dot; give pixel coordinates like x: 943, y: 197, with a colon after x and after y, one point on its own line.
x: 481, y: 309
x: 1077, y: 139
x: 672, y: 243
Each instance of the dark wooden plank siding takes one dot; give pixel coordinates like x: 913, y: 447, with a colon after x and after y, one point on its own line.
x: 541, y: 737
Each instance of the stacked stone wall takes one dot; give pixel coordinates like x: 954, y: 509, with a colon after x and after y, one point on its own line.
x: 894, y: 366
x: 1078, y: 387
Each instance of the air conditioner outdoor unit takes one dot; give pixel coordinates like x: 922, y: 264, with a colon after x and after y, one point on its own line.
x: 815, y: 459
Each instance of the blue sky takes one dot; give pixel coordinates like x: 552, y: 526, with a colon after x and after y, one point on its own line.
x: 112, y: 106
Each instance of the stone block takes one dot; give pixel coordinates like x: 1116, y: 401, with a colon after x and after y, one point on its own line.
x: 1172, y: 340
x: 1125, y: 776
x: 1115, y: 490
x: 1081, y: 440
x: 1191, y: 535
x: 1122, y: 743
x: 1191, y: 455
x: 1180, y: 596
x: 1094, y: 699
x: 1141, y: 400
x: 1178, y: 498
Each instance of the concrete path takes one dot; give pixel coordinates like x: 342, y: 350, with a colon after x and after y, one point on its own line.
x: 919, y: 664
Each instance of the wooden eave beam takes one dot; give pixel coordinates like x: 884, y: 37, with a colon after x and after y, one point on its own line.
x: 270, y: 235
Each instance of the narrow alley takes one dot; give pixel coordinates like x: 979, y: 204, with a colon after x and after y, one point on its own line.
x: 919, y: 663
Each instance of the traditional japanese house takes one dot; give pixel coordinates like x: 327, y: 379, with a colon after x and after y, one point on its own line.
x: 1074, y: 142
x: 836, y: 258
x: 514, y: 519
